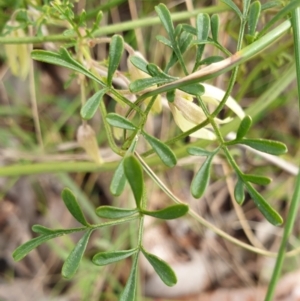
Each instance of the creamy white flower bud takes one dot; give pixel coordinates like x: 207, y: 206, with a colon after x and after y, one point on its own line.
x: 86, y: 138
x: 188, y: 114
x: 17, y: 54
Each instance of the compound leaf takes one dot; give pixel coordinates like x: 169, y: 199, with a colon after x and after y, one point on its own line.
x: 134, y: 175
x: 256, y: 179
x: 118, y: 181
x: 239, y: 193
x: 28, y: 246
x: 171, y: 212
x: 120, y: 121
x: 269, y: 213
x: 90, y: 107
x: 163, y: 270
x: 112, y: 212
x: 264, y: 145
x: 163, y: 151
x: 63, y: 59
x: 129, y: 291
x: 244, y: 127
x: 104, y: 258
x: 73, y: 207
x: 72, y: 262
x: 165, y: 18
x: 116, y: 48
x: 201, y: 179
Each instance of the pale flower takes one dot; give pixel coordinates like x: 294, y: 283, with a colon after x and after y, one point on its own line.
x: 86, y: 138
x: 187, y: 114
x: 18, y: 56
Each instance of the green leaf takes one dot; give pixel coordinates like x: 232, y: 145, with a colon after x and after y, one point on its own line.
x: 129, y: 291
x: 90, y: 107
x: 166, y: 20
x: 97, y: 22
x: 72, y: 262
x: 270, y: 4
x: 178, y: 30
x: 142, y: 84
x: 42, y: 230
x: 72, y: 205
x: 82, y: 18
x: 104, y: 258
x: 28, y: 246
x: 119, y: 121
x: 155, y: 71
x: 202, y: 26
x: 112, y: 212
x: 202, y: 30
x: 233, y: 6
x: 244, y: 127
x: 134, y: 175
x: 171, y: 212
x: 118, y: 181
x: 185, y: 40
x: 163, y: 151
x: 201, y: 179
x: 267, y: 146
x: 215, y: 26
x: 193, y: 89
x: 246, y: 4
x: 269, y: 213
x: 63, y: 59
x: 254, y: 13
x: 198, y: 151
x: 256, y: 179
x: 163, y: 270
x: 190, y: 29
x: 116, y: 48
x: 211, y: 59
x: 139, y: 63
x: 239, y: 193
x: 164, y: 40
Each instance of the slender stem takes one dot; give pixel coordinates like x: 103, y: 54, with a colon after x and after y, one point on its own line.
x: 141, y: 232
x: 108, y: 131
x: 34, y: 107
x: 235, y: 70
x: 295, y: 202
x: 115, y: 222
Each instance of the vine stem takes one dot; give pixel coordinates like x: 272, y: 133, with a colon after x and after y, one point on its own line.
x: 295, y: 202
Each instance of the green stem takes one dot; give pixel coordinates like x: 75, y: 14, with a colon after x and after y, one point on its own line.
x: 141, y: 232
x: 108, y: 131
x: 291, y: 217
x: 115, y: 222
x: 235, y: 70
x: 114, y: 28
